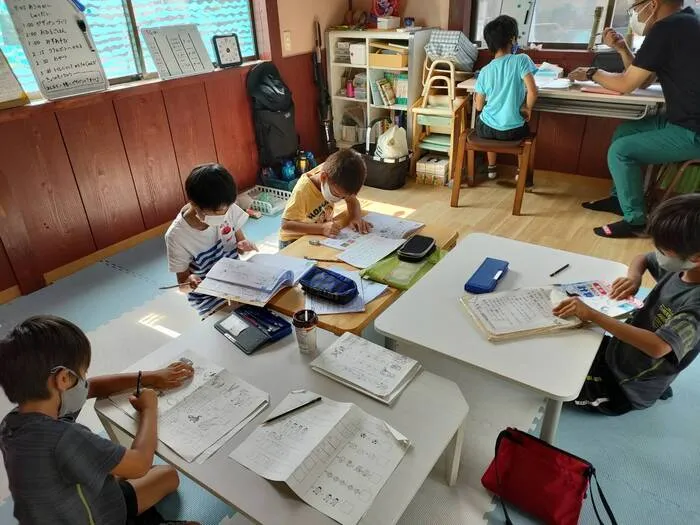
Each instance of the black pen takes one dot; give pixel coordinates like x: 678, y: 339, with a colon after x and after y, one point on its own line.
x: 554, y: 274
x: 308, y: 403
x: 138, y: 384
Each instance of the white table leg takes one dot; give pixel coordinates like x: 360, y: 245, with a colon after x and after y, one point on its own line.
x: 108, y: 428
x: 454, y: 456
x: 551, y: 421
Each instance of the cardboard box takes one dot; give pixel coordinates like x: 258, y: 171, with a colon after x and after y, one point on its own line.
x: 388, y: 60
x: 388, y: 22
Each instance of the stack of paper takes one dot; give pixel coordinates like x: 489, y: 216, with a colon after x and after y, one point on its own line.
x: 255, y: 281
x: 334, y: 456
x: 368, y: 291
x: 528, y: 311
x: 367, y: 368
x: 198, y: 418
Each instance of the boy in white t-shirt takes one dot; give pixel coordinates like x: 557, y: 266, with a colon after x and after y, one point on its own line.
x: 207, y: 229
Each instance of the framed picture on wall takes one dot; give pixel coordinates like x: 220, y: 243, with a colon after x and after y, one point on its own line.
x: 228, y: 50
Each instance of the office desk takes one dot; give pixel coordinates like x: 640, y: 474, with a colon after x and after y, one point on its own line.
x: 293, y: 299
x: 430, y: 316
x: 430, y: 412
x: 573, y: 101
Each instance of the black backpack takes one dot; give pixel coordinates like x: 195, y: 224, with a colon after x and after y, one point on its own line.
x: 273, y: 115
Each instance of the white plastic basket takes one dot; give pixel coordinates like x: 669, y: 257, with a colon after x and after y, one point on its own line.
x: 277, y: 200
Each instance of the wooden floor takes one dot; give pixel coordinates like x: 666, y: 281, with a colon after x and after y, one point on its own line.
x: 552, y: 214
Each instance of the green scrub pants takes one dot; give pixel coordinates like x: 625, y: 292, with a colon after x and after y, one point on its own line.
x: 652, y: 140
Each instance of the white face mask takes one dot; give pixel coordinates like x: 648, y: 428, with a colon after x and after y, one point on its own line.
x: 638, y: 27
x: 328, y: 194
x: 215, y: 220
x: 674, y: 264
x: 73, y: 399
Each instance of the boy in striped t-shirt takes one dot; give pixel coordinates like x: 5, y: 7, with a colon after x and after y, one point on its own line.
x: 207, y: 229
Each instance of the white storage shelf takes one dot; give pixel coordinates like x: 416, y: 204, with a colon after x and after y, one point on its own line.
x: 373, y: 109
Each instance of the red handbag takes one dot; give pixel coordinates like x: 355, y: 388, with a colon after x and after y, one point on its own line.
x: 541, y: 480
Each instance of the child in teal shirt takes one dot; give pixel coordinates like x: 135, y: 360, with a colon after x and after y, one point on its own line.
x: 505, y: 90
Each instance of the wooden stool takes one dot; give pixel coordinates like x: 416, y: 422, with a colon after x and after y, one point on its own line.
x: 469, y: 141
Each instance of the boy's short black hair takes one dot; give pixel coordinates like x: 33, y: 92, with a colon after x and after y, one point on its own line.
x: 500, y: 32
x: 34, y: 348
x: 347, y: 170
x: 211, y: 186
x: 675, y: 225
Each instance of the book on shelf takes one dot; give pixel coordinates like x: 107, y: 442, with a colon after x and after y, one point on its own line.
x: 387, y: 92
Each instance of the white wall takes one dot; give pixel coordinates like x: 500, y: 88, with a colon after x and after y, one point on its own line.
x: 428, y: 13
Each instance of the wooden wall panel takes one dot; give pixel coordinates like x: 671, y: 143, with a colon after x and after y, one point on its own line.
x: 298, y: 74
x: 99, y: 162
x: 559, y: 142
x: 7, y: 276
x: 44, y: 225
x: 232, y: 123
x: 190, y: 127
x: 597, y: 137
x: 146, y: 134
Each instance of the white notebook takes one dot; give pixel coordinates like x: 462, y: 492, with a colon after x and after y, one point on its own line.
x: 255, y: 281
x: 366, y: 367
x: 382, y: 225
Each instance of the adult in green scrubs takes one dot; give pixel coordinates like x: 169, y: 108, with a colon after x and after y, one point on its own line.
x: 671, y: 54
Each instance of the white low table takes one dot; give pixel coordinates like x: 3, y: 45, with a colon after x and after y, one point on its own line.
x: 430, y: 412
x: 430, y: 316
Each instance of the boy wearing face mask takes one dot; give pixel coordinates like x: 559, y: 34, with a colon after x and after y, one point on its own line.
x: 637, y: 365
x: 59, y: 471
x: 505, y: 90
x: 207, y: 229
x: 309, y: 210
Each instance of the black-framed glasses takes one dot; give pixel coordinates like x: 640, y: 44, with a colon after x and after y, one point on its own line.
x: 634, y: 6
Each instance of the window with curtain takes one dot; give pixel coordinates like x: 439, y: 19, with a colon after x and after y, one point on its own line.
x: 113, y: 33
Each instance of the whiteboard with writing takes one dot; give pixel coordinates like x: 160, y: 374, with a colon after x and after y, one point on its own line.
x: 177, y: 51
x: 59, y: 47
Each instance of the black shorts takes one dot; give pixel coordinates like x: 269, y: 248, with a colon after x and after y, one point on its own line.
x: 132, y: 504
x: 487, y: 132
x: 601, y: 392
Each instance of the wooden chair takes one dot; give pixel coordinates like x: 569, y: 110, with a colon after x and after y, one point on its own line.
x: 471, y: 143
x: 438, y: 121
x: 656, y: 175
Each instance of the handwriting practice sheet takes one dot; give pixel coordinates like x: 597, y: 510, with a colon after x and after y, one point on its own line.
x: 367, y: 367
x: 368, y: 250
x: 245, y: 273
x: 213, y: 405
x: 334, y: 456
x: 527, y: 310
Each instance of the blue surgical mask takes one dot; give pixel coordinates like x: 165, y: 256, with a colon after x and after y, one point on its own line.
x: 73, y: 399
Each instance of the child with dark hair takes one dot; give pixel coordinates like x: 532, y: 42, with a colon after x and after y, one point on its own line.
x: 207, y: 229
x: 501, y: 95
x: 637, y: 365
x: 310, y: 208
x: 59, y: 471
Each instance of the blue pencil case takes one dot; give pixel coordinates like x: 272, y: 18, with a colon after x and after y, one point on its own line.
x: 486, y: 277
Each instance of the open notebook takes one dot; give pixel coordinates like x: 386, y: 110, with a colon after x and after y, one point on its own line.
x: 366, y: 367
x: 255, y: 281
x: 528, y: 311
x: 382, y: 225
x: 334, y: 456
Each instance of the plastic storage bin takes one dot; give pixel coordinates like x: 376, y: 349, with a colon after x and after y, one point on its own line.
x: 385, y: 174
x: 268, y: 201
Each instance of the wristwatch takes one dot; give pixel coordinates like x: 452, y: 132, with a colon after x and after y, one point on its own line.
x: 591, y: 71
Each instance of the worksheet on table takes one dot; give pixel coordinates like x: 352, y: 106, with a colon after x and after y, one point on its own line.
x: 335, y: 456
x: 246, y: 273
x: 382, y: 225
x: 211, y: 406
x: 369, y: 250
